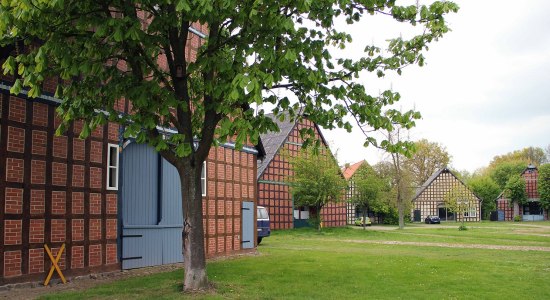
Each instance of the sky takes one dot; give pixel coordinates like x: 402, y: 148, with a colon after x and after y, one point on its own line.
x: 485, y: 89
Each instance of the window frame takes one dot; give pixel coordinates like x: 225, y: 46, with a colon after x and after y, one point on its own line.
x: 109, y: 167
x: 203, y: 179
x: 471, y: 212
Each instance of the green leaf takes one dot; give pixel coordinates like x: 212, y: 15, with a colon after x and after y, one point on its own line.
x: 182, y: 5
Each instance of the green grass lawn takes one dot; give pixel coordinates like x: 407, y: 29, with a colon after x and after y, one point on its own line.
x: 342, y: 263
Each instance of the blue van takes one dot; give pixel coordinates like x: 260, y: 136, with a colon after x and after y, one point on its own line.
x: 262, y: 222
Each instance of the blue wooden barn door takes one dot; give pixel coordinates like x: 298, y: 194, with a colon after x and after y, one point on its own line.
x: 247, y: 215
x: 151, y: 209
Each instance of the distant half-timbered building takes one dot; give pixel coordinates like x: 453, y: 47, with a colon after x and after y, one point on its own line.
x: 532, y: 210
x: 273, y: 172
x: 430, y: 199
x: 349, y: 171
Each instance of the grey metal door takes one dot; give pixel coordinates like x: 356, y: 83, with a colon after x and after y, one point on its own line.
x: 151, y: 209
x: 247, y: 215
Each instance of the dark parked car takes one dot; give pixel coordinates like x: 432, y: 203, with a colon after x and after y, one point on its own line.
x: 262, y: 223
x: 432, y: 220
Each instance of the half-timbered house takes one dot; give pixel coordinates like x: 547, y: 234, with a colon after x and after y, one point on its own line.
x: 430, y: 198
x: 530, y: 211
x: 273, y: 172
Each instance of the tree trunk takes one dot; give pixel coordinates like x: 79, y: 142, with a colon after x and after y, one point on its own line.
x: 400, y: 208
x: 318, y: 216
x: 516, y: 209
x: 194, y: 260
x: 364, y: 219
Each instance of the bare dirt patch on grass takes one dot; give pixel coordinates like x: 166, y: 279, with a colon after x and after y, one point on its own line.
x: 454, y: 245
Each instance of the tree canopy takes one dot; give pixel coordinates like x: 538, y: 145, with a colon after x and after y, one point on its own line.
x: 427, y: 158
x: 104, y: 51
x: 544, y: 185
x: 515, y: 189
x: 502, y: 172
x: 316, y: 181
x: 369, y: 190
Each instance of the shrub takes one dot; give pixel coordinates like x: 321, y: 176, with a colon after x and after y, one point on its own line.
x: 517, y: 218
x: 462, y: 228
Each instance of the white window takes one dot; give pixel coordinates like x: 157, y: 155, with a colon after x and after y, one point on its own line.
x: 203, y: 179
x: 112, y: 167
x: 302, y: 213
x: 471, y: 212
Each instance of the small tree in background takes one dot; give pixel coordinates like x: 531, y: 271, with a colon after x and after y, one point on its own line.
x: 544, y: 185
x: 368, y: 189
x: 515, y: 191
x: 460, y: 201
x: 486, y: 189
x: 317, y: 180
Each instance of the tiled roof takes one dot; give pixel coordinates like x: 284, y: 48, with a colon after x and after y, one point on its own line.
x: 272, y: 141
x: 350, y: 170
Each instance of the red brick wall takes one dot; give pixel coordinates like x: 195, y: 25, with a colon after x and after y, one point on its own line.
x: 51, y: 192
x: 274, y: 193
x: 230, y: 181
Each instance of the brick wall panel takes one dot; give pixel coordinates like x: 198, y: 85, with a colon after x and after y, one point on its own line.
x: 78, y: 176
x: 113, y: 131
x: 77, y: 257
x: 14, y: 169
x: 211, y: 245
x: 60, y: 146
x: 59, y: 174
x: 38, y: 172
x: 94, y: 257
x: 111, y: 229
x: 77, y: 229
x: 95, y: 203
x: 96, y: 152
x: 59, y: 202
x: 36, y: 261
x: 78, y: 203
x: 221, y: 244
x: 39, y: 142
x: 40, y: 114
x: 12, y: 232
x: 79, y: 149
x: 13, y: 201
x: 58, y: 227
x: 12, y: 263
x: 94, y: 230
x: 111, y: 204
x: 111, y: 254
x: 17, y: 110
x: 77, y: 127
x: 36, y: 231
x: 37, y: 201
x: 16, y: 139
x: 95, y: 178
